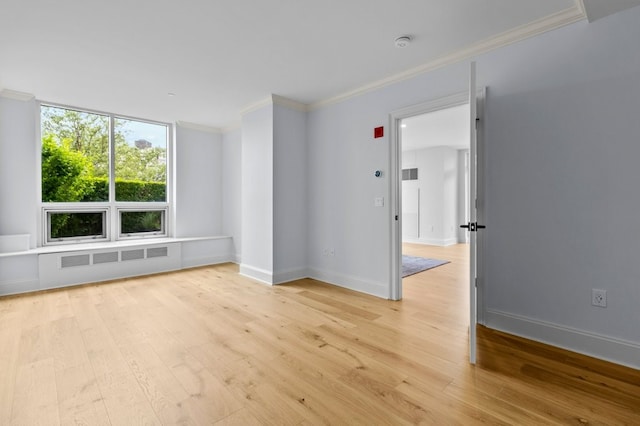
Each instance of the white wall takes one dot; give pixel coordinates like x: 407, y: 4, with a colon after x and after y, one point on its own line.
x: 561, y: 182
x: 198, y: 192
x: 232, y: 189
x: 343, y: 156
x: 198, y: 183
x: 257, y: 194
x: 274, y: 185
x: 18, y: 168
x: 438, y: 194
x: 18, y: 189
x: 290, y: 173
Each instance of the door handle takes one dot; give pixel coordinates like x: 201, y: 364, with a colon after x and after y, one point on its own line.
x: 473, y: 226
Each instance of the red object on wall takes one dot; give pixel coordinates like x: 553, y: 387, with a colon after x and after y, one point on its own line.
x: 378, y: 132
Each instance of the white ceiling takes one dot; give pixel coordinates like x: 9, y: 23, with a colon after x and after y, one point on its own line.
x: 446, y: 127
x: 220, y: 57
x: 597, y: 9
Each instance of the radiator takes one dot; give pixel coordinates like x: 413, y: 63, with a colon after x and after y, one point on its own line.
x: 86, y: 266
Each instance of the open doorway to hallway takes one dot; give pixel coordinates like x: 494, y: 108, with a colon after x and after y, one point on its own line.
x: 435, y: 193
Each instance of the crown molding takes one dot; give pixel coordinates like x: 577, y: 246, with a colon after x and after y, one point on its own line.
x: 256, y: 106
x: 231, y: 128
x: 289, y: 103
x: 548, y: 23
x: 18, y: 96
x: 199, y: 127
x: 275, y: 100
x: 579, y: 4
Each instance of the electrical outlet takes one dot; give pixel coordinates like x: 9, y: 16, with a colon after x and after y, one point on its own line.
x: 328, y: 252
x: 599, y: 298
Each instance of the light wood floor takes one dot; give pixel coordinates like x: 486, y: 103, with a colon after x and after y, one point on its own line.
x: 207, y: 346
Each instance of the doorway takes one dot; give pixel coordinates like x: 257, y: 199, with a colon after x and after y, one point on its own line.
x: 435, y: 176
x: 426, y: 223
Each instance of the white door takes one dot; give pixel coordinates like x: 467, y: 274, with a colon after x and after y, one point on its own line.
x: 472, y: 226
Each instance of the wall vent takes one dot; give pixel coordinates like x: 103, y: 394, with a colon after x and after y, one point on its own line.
x: 157, y: 252
x: 74, y: 260
x: 132, y: 254
x: 410, y: 174
x: 109, y: 257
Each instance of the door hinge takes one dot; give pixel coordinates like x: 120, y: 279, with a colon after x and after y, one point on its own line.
x: 396, y: 217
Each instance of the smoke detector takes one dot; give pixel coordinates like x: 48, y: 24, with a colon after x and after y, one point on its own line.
x: 403, y: 41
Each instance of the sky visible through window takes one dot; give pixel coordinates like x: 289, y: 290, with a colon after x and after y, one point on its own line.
x: 156, y: 134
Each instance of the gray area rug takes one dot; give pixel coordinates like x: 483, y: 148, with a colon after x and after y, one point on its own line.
x: 412, y: 265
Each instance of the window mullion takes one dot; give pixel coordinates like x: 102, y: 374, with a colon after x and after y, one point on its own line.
x: 113, y: 214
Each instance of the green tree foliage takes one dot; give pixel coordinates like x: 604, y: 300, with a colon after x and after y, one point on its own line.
x: 135, y: 190
x: 87, y: 133
x: 63, y: 172
x: 76, y: 224
x: 97, y: 189
x: 146, y: 164
x: 134, y: 222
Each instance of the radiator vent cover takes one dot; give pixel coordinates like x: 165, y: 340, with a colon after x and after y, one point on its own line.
x: 157, y: 252
x: 74, y: 260
x: 109, y: 257
x: 104, y: 262
x: 132, y: 254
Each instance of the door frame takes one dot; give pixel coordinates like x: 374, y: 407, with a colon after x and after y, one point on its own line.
x: 395, y: 117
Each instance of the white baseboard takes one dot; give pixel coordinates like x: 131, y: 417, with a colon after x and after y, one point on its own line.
x: 258, y: 274
x: 450, y: 242
x: 352, y: 283
x: 595, y: 345
x: 206, y: 260
x: 287, y: 275
x: 432, y: 241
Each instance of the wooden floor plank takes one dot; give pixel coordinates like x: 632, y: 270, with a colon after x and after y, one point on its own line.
x: 79, y: 399
x: 209, y: 346
x: 36, y: 399
x: 9, y: 349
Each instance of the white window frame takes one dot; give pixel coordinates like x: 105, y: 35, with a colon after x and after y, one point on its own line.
x: 112, y: 207
x: 143, y: 209
x: 58, y: 208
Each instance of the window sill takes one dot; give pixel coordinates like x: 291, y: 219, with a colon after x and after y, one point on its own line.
x: 62, y: 248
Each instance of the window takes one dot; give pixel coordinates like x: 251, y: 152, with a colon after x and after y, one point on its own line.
x: 102, y: 172
x: 141, y: 222
x: 65, y: 225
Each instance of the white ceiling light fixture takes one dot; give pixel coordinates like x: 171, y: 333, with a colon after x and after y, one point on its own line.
x: 403, y: 41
